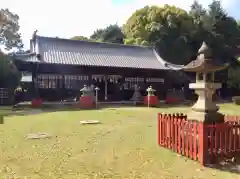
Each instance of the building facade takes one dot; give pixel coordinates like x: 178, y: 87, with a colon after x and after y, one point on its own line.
x: 58, y: 68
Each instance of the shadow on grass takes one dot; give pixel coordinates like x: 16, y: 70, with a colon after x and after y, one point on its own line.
x: 228, y: 165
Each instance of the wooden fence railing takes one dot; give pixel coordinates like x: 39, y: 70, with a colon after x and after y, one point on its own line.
x: 199, y: 141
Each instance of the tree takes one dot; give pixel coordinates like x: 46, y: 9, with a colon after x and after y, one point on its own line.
x: 112, y: 34
x: 177, y: 34
x: 79, y: 38
x: 233, y: 78
x: 9, y: 29
x: 218, y: 29
x: 167, y: 28
x: 9, y: 74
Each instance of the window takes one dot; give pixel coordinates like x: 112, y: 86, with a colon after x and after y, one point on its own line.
x: 154, y: 80
x: 4, y: 96
x: 75, y: 81
x: 49, y: 81
x: 42, y: 81
x: 130, y: 82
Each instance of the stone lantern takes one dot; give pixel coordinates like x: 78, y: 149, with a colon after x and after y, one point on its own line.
x: 151, y: 99
x: 150, y: 91
x: 205, y: 109
x: 87, y: 99
x: 137, y: 97
x: 86, y: 91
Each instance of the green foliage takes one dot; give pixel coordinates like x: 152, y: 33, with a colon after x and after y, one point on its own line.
x: 9, y: 75
x: 218, y: 29
x: 9, y: 27
x: 137, y: 41
x: 167, y: 28
x: 79, y: 38
x: 177, y: 34
x: 233, y: 78
x: 112, y: 34
x: 129, y: 41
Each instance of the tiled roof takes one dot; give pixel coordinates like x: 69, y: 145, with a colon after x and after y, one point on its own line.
x: 84, y: 53
x: 32, y: 57
x: 72, y: 52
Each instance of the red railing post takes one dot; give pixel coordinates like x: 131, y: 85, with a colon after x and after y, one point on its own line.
x: 159, y: 129
x: 202, y: 143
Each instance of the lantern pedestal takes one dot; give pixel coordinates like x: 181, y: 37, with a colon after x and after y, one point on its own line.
x: 151, y: 100
x: 205, y: 109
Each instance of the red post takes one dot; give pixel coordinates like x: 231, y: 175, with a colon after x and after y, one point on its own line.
x: 176, y: 133
x: 194, y: 140
x: 202, y: 143
x: 190, y: 134
x: 179, y: 135
x: 159, y: 128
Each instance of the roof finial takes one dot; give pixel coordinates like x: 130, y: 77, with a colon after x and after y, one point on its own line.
x: 34, y: 34
x: 205, y: 50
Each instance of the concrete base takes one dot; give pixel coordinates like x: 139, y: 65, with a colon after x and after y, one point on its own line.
x: 206, y: 117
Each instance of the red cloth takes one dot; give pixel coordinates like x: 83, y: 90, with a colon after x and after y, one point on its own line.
x: 153, y: 100
x: 36, y: 102
x: 86, y: 102
x: 172, y: 100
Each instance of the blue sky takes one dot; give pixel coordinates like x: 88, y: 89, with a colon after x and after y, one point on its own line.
x: 67, y: 18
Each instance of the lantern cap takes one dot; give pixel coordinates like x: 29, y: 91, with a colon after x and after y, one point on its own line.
x: 204, y: 62
x: 150, y: 89
x: 85, y: 89
x: 206, y: 50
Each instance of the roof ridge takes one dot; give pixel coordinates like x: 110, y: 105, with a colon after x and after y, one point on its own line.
x: 94, y: 42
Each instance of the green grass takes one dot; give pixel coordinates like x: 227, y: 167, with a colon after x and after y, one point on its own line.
x: 123, y: 146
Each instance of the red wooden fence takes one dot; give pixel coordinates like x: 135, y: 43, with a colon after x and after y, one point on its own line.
x: 198, y: 141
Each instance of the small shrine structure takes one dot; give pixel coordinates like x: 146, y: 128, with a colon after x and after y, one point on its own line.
x: 205, y: 109
x: 137, y: 97
x: 87, y: 98
x: 151, y: 99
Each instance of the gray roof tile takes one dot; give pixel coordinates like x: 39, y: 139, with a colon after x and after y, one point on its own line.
x: 72, y: 52
x: 32, y: 57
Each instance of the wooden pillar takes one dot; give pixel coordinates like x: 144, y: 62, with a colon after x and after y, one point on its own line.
x: 63, y: 87
x: 197, y: 77
x: 34, y: 81
x: 105, y: 88
x: 202, y: 144
x: 213, y: 76
x: 205, y: 77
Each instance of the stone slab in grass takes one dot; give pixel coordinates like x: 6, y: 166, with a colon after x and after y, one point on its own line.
x: 28, y: 111
x: 38, y: 136
x: 90, y: 122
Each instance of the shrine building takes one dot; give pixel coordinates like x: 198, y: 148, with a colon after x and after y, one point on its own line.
x: 58, y: 68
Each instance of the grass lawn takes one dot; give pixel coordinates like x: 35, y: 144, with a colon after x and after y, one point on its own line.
x: 123, y: 146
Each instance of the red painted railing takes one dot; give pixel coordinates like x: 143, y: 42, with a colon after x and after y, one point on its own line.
x: 199, y: 141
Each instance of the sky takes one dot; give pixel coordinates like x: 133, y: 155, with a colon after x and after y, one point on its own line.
x: 65, y: 19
